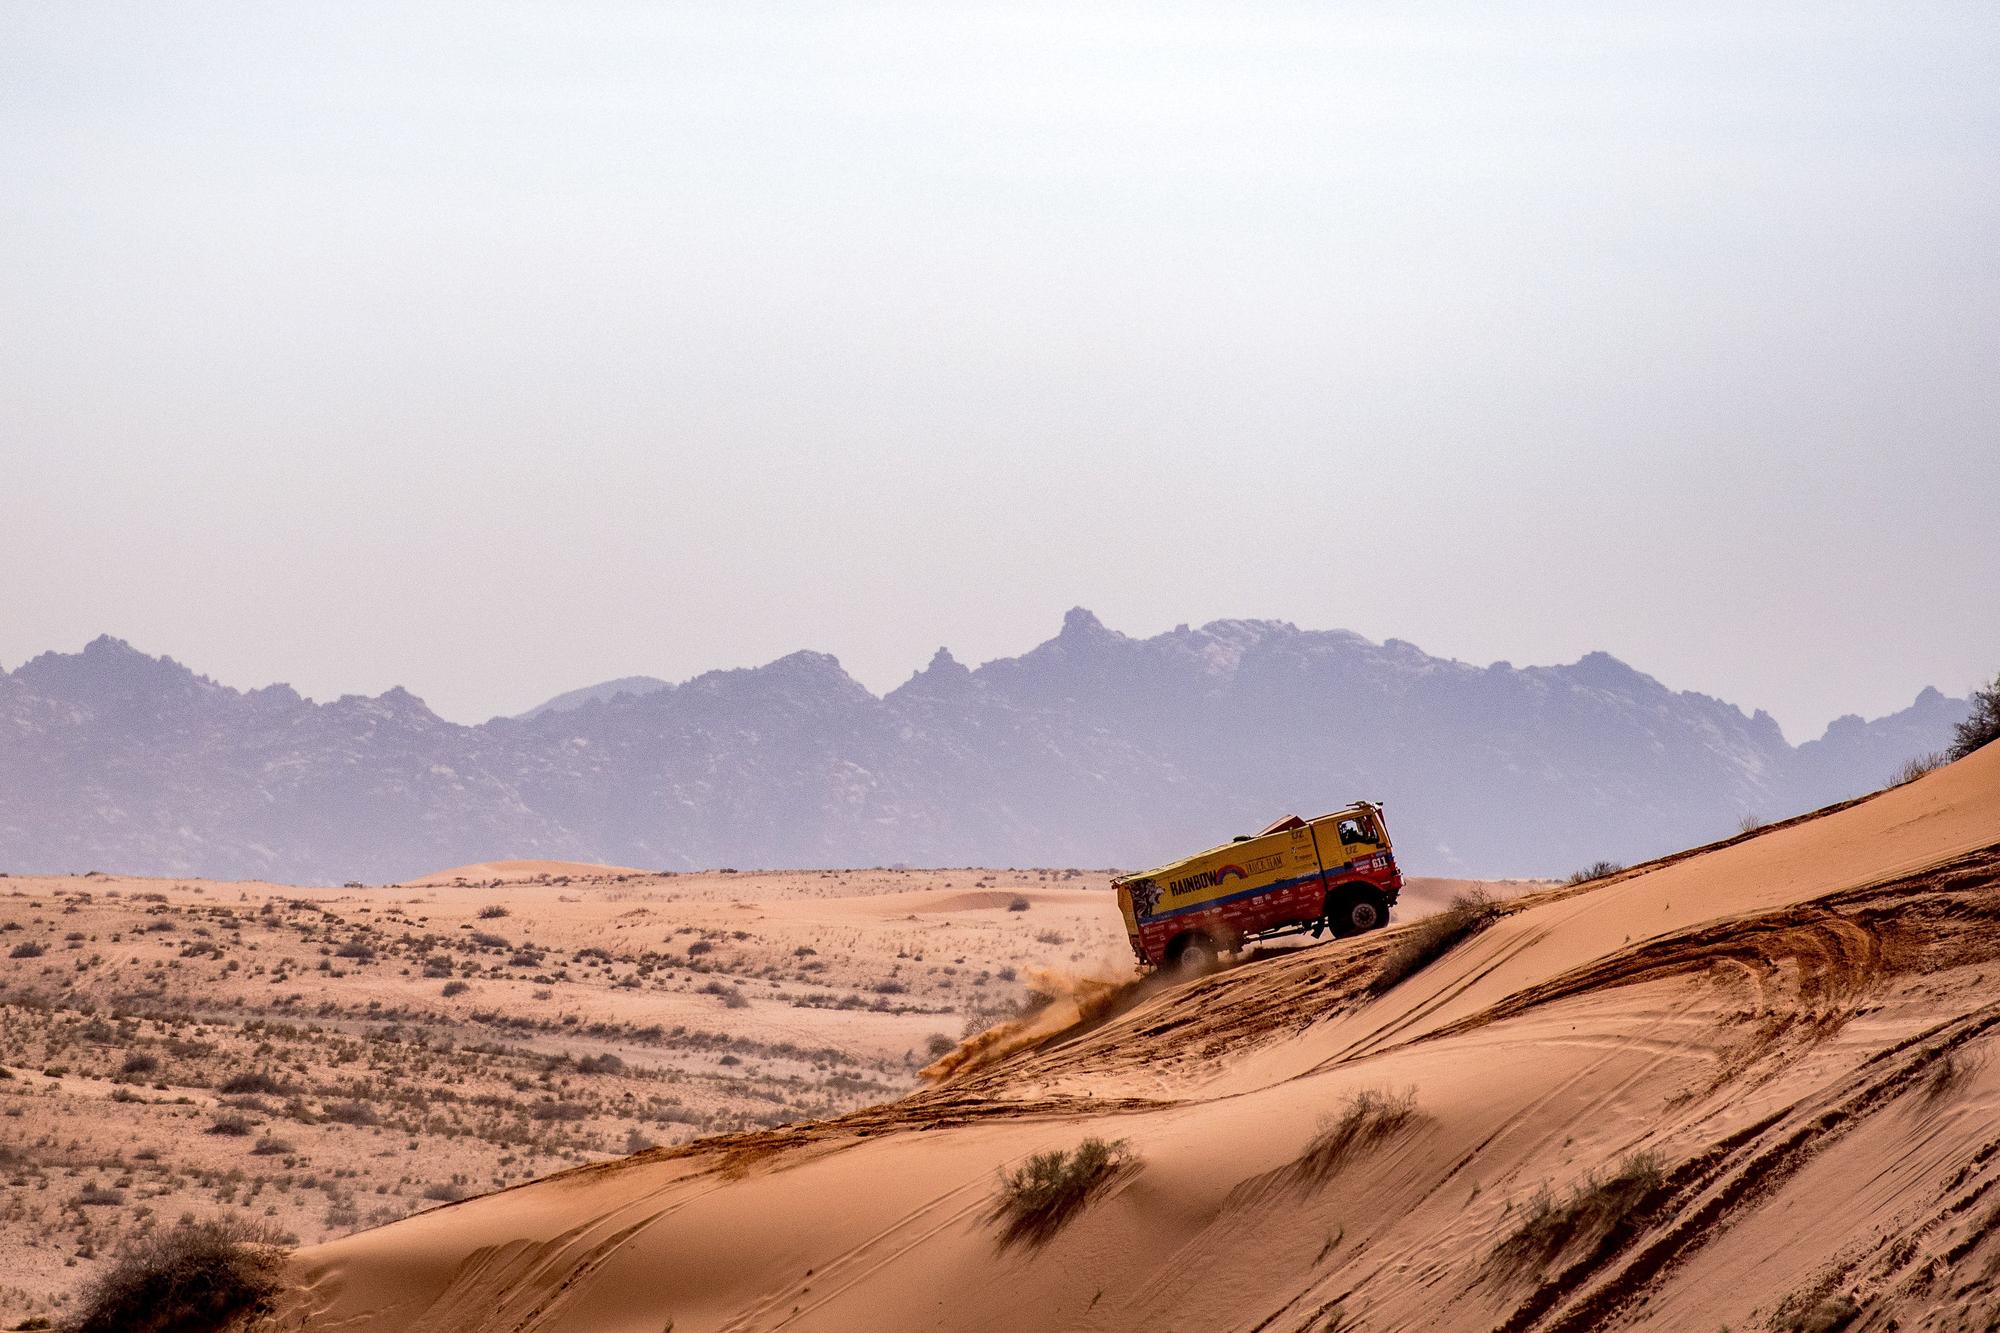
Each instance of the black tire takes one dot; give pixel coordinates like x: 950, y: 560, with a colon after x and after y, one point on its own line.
x: 1356, y: 910
x: 1195, y: 956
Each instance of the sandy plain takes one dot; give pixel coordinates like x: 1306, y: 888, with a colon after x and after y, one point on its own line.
x: 327, y: 1060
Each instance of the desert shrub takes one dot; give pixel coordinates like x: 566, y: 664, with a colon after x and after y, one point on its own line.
x: 452, y: 988
x: 559, y: 1111
x: 271, y: 1147
x: 1040, y: 1197
x: 1816, y: 1314
x: 445, y: 1191
x: 1915, y: 768
x: 600, y: 1064
x: 1948, y: 1072
x: 696, y: 948
x: 1595, y: 870
x: 1751, y: 822
x: 93, y: 1195
x: 1593, y: 1210
x: 486, y: 939
x: 258, y: 1082
x: 139, y: 1064
x: 1017, y: 904
x: 1430, y: 939
x: 493, y: 912
x: 195, y: 1278
x: 26, y: 949
x: 1982, y: 726
x: 731, y: 997
x: 435, y: 968
x: 232, y: 1126
x: 351, y: 1113
x: 1369, y: 1117
x: 355, y: 949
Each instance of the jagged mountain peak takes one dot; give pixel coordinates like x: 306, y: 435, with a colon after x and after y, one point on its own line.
x: 1081, y: 622
x: 943, y: 675
x: 105, y: 667
x: 1600, y: 670
x: 802, y: 677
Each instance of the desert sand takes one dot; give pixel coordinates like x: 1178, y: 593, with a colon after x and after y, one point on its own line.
x: 1747, y: 1087
x: 325, y: 1060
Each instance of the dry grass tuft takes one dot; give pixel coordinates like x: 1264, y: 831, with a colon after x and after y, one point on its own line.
x: 1430, y: 939
x: 1593, y: 1210
x: 1040, y: 1197
x: 1369, y: 1117
x: 1913, y: 769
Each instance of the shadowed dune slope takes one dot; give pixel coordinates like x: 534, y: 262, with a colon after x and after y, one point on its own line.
x: 1749, y: 1086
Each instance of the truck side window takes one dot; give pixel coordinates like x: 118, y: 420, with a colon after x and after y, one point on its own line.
x: 1352, y: 831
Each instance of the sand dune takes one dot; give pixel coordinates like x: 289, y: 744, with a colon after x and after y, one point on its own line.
x: 1747, y: 1087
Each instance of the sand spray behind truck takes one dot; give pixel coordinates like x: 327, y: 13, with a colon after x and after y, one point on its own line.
x: 1067, y: 1000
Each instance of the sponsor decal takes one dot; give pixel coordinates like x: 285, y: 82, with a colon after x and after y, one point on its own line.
x: 1202, y: 879
x: 1219, y: 875
x: 1148, y: 892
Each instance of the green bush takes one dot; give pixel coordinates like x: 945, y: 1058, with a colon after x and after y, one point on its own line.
x: 1982, y: 727
x: 1040, y: 1197
x: 195, y: 1278
x: 1424, y: 943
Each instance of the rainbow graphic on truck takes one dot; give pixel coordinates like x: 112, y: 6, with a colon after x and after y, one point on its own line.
x: 1337, y: 872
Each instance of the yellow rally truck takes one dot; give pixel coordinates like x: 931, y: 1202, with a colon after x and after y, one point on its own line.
x: 1336, y: 872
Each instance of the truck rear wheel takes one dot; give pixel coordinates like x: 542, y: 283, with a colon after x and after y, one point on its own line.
x: 1356, y: 910
x: 1194, y: 956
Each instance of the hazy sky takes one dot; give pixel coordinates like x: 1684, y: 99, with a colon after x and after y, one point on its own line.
x: 493, y: 350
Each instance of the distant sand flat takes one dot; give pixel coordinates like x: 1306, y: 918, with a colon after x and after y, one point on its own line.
x: 515, y: 872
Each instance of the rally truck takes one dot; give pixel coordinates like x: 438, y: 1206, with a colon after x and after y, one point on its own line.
x: 1336, y: 872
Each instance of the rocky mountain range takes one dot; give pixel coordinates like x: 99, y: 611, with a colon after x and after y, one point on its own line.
x: 1092, y: 749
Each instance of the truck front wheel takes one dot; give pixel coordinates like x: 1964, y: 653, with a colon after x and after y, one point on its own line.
x: 1356, y: 910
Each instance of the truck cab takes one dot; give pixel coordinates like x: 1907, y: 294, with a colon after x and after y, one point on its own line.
x: 1336, y: 872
